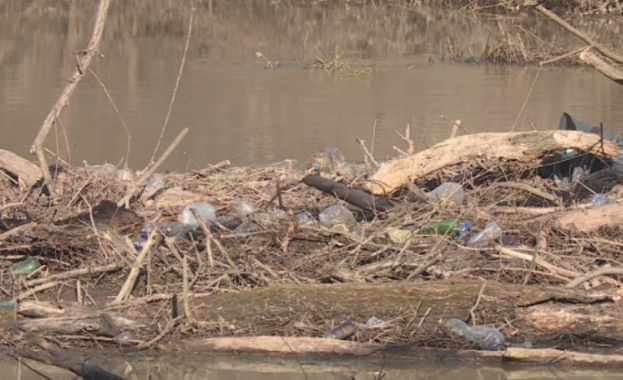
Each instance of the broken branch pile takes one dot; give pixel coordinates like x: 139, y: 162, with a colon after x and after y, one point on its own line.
x: 258, y: 266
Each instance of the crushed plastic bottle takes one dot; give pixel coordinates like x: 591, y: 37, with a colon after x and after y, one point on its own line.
x: 448, y: 191
x: 153, y: 186
x: 602, y: 199
x: 487, y: 338
x: 23, y: 267
x: 336, y: 214
x: 206, y: 211
x: 168, y: 229
x: 491, y: 232
x: 125, y: 174
x: 373, y: 321
x: 270, y: 218
x: 305, y: 219
x: 243, y: 208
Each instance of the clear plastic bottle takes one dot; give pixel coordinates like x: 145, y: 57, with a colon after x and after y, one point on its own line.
x: 336, y: 214
x: 243, y: 208
x: 448, y: 191
x: 206, y: 211
x: 487, y: 338
x: 602, y: 199
x: 491, y: 232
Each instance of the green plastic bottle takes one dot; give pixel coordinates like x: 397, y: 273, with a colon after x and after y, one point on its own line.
x: 444, y: 227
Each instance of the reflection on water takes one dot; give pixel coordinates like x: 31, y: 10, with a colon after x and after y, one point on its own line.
x: 335, y: 368
x: 238, y: 110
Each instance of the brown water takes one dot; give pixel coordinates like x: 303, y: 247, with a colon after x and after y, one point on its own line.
x: 340, y: 368
x: 238, y: 110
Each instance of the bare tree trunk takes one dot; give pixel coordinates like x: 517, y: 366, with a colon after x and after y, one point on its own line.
x: 83, y: 59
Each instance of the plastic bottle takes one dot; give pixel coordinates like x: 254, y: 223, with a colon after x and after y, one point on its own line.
x: 125, y: 174
x: 602, y: 199
x: 206, y: 211
x: 445, y: 227
x: 487, y: 338
x: 448, y: 191
x: 269, y: 218
x: 305, y: 219
x: 491, y: 232
x: 336, y: 214
x: 243, y: 208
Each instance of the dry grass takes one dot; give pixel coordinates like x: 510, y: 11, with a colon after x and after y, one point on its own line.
x: 338, y: 64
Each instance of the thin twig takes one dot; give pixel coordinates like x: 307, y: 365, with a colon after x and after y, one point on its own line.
x: 125, y: 201
x: 126, y: 289
x: 471, y: 311
x: 177, y: 81
x: 596, y: 273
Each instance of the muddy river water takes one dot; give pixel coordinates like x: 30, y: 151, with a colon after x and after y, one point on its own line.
x: 243, y: 368
x: 238, y: 109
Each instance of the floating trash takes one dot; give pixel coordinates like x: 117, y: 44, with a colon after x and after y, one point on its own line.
x: 491, y: 232
x: 483, y: 337
x: 336, y: 214
x: 206, y: 211
x: 448, y: 191
x: 243, y: 208
x: 24, y: 267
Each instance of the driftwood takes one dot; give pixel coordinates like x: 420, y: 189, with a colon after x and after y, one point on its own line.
x: 356, y: 197
x: 27, y: 173
x: 72, y: 318
x: 325, y: 346
x: 520, y: 146
x: 303, y: 345
x: 551, y: 356
x: 535, y: 310
x: 589, y: 219
x: 612, y: 72
x: 68, y: 360
x: 83, y: 59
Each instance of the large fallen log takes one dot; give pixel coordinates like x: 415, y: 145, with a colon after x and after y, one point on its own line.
x: 538, y: 313
x: 315, y: 346
x: 27, y: 173
x: 519, y: 146
x: 612, y: 72
x: 588, y: 219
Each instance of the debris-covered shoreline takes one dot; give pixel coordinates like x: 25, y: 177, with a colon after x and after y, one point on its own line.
x: 501, y: 241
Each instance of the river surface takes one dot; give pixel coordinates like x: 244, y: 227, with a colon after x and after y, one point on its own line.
x: 340, y: 368
x: 238, y: 109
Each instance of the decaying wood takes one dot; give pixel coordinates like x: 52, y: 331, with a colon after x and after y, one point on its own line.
x: 305, y: 345
x: 445, y: 299
x: 612, y: 72
x: 519, y: 146
x: 84, y: 61
x: 355, y: 197
x: 71, y: 318
x: 552, y: 356
x: 590, y: 218
x: 27, y: 173
x: 71, y: 361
